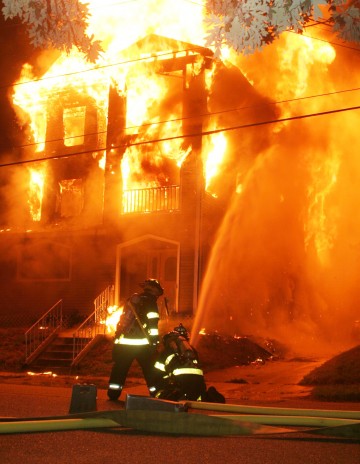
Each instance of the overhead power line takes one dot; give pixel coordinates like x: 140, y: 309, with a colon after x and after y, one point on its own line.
x: 196, y: 134
x: 335, y: 44
x: 215, y: 113
x: 98, y: 68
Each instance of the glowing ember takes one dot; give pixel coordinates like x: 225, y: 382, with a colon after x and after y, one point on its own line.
x: 47, y: 373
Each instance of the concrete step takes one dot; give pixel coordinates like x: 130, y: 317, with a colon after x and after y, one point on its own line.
x: 58, y: 355
x: 55, y: 355
x: 51, y: 363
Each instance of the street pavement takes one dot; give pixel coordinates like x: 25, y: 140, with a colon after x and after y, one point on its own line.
x: 120, y: 445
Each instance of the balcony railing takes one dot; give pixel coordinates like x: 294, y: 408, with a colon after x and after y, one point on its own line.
x: 149, y: 200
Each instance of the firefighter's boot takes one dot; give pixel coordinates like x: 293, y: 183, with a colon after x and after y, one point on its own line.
x: 114, y: 391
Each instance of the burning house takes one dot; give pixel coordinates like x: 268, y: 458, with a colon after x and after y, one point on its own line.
x: 118, y: 191
x: 237, y: 177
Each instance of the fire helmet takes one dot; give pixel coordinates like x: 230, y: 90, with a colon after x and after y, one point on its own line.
x: 152, y: 286
x: 181, y: 330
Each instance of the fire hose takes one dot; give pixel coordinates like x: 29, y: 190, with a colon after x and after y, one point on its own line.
x: 178, y: 421
x: 265, y: 410
x: 141, y: 420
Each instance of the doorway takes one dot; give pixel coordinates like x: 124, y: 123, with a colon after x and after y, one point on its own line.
x: 148, y: 256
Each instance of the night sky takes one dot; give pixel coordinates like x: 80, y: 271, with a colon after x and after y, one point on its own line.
x: 15, y: 51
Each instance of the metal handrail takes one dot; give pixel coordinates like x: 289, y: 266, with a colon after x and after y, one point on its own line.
x: 148, y: 200
x: 94, y: 325
x: 42, y: 331
x: 102, y: 302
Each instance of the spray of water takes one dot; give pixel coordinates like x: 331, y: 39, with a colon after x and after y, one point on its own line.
x: 285, y: 263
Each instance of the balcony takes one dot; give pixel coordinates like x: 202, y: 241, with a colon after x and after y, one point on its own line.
x: 150, y: 200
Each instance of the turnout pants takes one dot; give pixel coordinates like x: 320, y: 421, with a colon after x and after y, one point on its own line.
x: 123, y: 356
x: 183, y: 387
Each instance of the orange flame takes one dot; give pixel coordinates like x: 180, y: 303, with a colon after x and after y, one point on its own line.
x: 214, y: 157
x: 125, y: 66
x: 112, y: 318
x: 36, y: 191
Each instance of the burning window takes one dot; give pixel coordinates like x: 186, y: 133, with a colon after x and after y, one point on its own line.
x: 71, y: 200
x: 36, y: 189
x: 74, y: 125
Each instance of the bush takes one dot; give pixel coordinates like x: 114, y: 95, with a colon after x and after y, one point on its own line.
x: 12, y: 353
x: 336, y: 393
x: 340, y: 370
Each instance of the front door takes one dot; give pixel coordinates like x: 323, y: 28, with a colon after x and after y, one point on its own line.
x: 155, y: 258
x: 163, y: 264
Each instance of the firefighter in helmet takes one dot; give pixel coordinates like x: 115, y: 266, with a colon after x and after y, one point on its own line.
x: 179, y: 375
x: 136, y: 337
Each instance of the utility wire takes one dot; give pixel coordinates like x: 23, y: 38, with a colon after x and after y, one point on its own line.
x: 161, y: 55
x: 104, y: 66
x: 207, y: 114
x: 328, y: 42
x: 135, y: 60
x: 196, y: 134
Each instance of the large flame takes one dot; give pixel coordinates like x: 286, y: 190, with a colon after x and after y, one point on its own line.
x: 285, y: 264
x: 119, y: 26
x: 112, y: 318
x: 215, y: 156
x: 292, y: 222
x: 36, y: 192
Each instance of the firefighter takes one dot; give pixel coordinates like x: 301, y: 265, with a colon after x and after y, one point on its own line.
x: 136, y: 337
x: 179, y: 375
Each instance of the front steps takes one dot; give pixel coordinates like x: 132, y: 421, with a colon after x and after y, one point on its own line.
x: 57, y: 357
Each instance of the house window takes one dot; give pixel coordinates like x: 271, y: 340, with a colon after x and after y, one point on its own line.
x: 71, y: 198
x: 74, y: 125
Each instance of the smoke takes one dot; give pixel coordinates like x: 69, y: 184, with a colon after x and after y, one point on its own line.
x: 285, y: 262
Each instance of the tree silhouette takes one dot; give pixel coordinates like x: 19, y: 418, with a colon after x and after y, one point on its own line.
x: 245, y: 25
x: 249, y: 25
x: 57, y: 24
